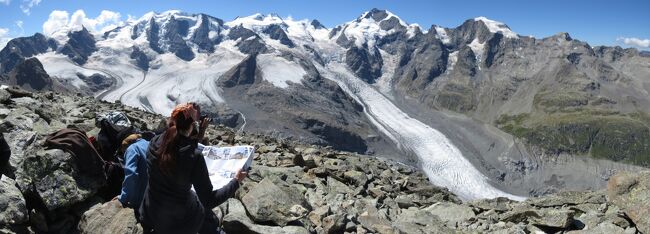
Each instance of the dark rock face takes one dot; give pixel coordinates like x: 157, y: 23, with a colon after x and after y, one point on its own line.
x: 611, y: 54
x: 249, y: 41
x: 276, y: 32
x: 175, y: 30
x: 494, y: 50
x: 80, y: 46
x: 254, y: 46
x: 31, y: 75
x: 152, y: 36
x: 467, y: 32
x: 392, y: 23
x: 466, y: 62
x: 317, y: 24
x: 201, y: 35
x: 574, y: 58
x: 18, y: 49
x: 376, y: 14
x: 422, y: 63
x: 97, y: 82
x: 222, y: 114
x: 242, y: 74
x: 365, y: 62
x: 342, y: 139
x: 335, y: 31
x: 141, y: 59
x: 135, y: 32
x: 108, y: 33
x: 239, y: 32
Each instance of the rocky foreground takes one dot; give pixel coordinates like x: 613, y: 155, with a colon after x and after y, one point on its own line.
x: 291, y: 188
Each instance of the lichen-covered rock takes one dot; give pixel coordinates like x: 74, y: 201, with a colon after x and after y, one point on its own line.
x: 414, y: 220
x: 53, y: 177
x: 109, y: 217
x: 274, y: 201
x: 236, y: 221
x: 451, y: 213
x: 545, y: 217
x: 631, y: 192
x: 13, y: 210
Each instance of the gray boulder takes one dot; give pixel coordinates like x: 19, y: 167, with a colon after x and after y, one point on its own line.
x: 109, y: 217
x: 451, y: 213
x: 13, y: 209
x: 236, y: 221
x: 631, y: 192
x: 53, y: 177
x: 545, y: 217
x: 414, y: 220
x: 272, y: 200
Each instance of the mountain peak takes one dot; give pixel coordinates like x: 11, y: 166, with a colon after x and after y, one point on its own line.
x: 256, y: 19
x: 317, y: 24
x: 376, y: 14
x: 497, y: 27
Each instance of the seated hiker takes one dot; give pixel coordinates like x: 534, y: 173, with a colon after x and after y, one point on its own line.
x: 169, y: 204
x: 115, y: 126
x: 135, y: 170
x: 5, y: 154
x: 110, y: 137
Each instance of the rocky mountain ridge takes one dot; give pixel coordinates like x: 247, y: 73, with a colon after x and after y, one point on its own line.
x: 292, y: 188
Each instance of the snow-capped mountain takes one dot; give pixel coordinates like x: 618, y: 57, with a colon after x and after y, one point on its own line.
x: 464, y: 103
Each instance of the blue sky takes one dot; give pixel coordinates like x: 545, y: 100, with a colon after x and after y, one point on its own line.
x: 598, y: 22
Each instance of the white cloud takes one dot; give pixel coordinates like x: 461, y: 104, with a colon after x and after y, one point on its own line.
x: 3, y: 39
x: 62, y: 21
x: 56, y: 21
x: 6, y: 2
x: 19, y: 24
x: 27, y: 5
x: 633, y: 41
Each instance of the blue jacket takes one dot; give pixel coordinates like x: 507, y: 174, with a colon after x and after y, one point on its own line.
x: 136, y: 176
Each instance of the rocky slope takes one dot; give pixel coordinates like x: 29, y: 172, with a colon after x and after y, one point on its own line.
x: 292, y: 188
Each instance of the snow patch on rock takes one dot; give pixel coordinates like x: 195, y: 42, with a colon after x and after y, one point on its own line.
x: 279, y: 71
x: 497, y: 27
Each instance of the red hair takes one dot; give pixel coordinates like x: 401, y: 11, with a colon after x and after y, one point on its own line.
x: 181, y: 119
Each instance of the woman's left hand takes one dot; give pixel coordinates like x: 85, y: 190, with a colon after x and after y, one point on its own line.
x: 204, y: 125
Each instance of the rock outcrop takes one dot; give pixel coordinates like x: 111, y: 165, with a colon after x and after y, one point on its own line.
x: 109, y: 217
x: 291, y: 188
x: 631, y: 192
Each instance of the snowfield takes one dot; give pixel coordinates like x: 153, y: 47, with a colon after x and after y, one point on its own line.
x: 279, y: 71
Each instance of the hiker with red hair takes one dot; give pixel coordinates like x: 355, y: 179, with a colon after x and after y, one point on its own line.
x: 175, y: 166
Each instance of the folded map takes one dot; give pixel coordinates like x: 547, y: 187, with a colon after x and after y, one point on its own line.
x: 223, y: 162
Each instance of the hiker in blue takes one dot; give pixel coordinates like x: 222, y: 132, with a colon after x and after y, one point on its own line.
x: 136, y: 176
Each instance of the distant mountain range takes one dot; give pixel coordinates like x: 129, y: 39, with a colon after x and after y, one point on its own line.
x: 476, y: 106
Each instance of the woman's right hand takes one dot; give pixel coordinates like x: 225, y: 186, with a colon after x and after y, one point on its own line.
x: 241, y: 175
